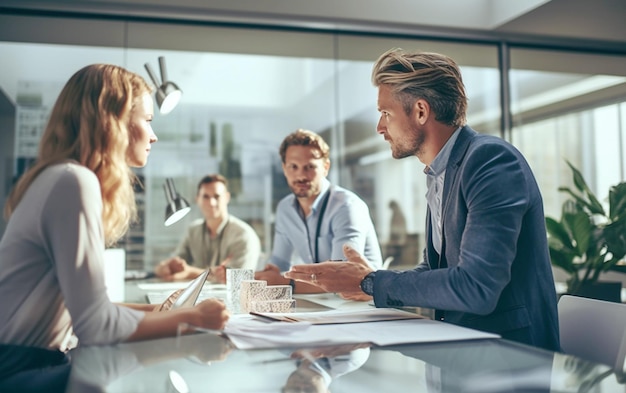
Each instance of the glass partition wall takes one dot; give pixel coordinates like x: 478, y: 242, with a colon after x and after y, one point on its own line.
x: 569, y: 107
x: 245, y: 89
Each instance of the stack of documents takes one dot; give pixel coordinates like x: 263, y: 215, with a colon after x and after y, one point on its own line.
x: 376, y: 326
x: 341, y: 316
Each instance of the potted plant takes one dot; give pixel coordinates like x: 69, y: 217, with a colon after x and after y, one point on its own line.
x: 588, y: 240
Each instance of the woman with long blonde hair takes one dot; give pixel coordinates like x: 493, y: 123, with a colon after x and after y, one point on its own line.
x: 74, y: 201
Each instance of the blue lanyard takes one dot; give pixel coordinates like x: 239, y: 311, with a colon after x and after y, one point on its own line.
x: 319, y: 224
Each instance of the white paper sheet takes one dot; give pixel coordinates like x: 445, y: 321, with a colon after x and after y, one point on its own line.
x: 370, y: 314
x: 247, y: 333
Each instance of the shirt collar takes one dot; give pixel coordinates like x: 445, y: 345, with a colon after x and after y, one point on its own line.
x: 221, y: 227
x: 439, y: 164
x: 323, y: 189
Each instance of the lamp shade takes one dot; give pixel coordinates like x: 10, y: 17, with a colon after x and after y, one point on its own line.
x: 177, y: 207
x: 167, y: 93
x: 167, y: 97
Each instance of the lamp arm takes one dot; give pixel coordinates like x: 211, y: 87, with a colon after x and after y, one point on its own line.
x: 163, y: 69
x: 152, y: 75
x: 170, y: 190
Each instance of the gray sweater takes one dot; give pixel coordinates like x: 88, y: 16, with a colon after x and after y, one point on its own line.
x: 51, y: 266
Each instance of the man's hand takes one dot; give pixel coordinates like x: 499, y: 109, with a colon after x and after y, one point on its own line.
x: 218, y: 273
x: 172, y: 269
x: 272, y: 275
x: 343, y: 278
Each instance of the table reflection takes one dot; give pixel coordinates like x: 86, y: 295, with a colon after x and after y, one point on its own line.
x: 502, y: 366
x: 96, y: 367
x: 207, y: 362
x: 316, y: 368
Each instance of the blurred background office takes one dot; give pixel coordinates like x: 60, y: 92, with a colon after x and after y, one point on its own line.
x: 549, y: 76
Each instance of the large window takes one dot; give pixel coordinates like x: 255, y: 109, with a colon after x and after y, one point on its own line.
x: 244, y: 89
x: 569, y: 106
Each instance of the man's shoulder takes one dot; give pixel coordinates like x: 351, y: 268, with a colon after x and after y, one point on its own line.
x: 286, y: 202
x: 483, y: 146
x: 238, y: 228
x: 478, y: 140
x: 287, y: 199
x: 239, y: 224
x: 196, y: 225
x: 343, y: 195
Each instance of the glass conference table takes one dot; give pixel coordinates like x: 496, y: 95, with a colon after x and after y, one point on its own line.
x: 205, y: 362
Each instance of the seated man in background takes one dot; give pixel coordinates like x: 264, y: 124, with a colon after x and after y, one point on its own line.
x: 217, y: 241
x: 317, y: 219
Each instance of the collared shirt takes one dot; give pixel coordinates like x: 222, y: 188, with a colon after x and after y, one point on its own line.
x: 435, y: 177
x: 235, y: 239
x: 346, y: 219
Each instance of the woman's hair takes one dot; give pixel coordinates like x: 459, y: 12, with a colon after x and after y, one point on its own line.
x: 433, y: 77
x: 302, y: 137
x: 89, y: 124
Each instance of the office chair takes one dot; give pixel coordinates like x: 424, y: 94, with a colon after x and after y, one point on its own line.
x: 593, y: 330
x: 386, y: 263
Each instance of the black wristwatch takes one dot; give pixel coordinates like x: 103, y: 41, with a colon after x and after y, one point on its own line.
x: 367, y: 284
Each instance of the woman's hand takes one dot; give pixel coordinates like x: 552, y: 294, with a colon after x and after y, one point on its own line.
x: 212, y: 314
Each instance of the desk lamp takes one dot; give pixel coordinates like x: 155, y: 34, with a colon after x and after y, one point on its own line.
x: 167, y: 94
x: 177, y: 207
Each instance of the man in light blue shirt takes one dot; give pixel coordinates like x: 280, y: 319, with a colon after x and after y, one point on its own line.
x: 317, y: 219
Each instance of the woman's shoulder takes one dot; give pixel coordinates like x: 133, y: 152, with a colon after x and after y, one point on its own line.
x: 69, y: 170
x: 69, y: 177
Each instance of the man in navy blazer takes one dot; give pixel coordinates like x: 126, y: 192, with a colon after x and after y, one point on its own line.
x: 486, y: 262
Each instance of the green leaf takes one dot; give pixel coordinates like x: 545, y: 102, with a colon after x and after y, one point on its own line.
x: 594, y: 208
x: 615, y: 238
x: 586, y: 241
x: 591, y: 201
x: 617, y: 202
x: 579, y: 181
x: 580, y: 227
x: 562, y: 260
x: 558, y: 232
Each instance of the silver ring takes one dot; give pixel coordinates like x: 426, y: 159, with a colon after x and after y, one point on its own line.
x: 313, y: 277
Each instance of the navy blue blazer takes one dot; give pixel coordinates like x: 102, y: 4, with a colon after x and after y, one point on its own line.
x: 494, y: 270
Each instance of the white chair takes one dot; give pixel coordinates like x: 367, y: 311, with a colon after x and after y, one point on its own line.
x: 593, y: 330
x: 386, y: 263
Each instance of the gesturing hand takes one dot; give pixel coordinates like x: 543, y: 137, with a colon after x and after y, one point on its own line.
x: 340, y: 277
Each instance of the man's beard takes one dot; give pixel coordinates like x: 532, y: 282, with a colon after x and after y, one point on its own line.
x: 304, y: 193
x: 411, y: 145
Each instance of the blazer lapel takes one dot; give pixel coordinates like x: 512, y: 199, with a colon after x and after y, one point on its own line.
x: 466, y: 134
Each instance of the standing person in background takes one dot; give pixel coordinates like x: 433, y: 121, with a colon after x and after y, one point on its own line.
x: 217, y: 241
x: 486, y: 264
x: 397, y: 232
x: 76, y: 199
x: 317, y: 219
